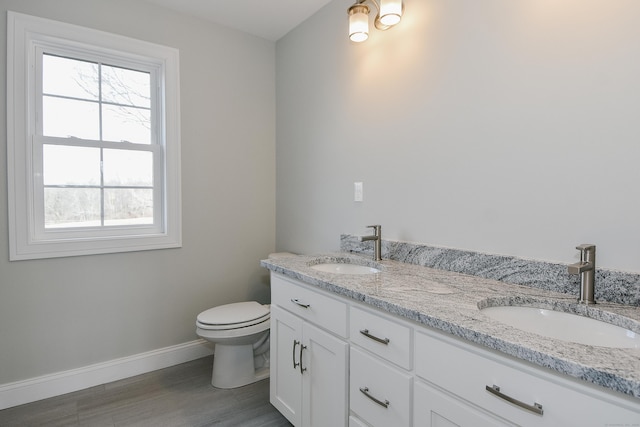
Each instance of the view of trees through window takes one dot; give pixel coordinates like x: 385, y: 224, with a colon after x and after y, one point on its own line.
x: 97, y: 144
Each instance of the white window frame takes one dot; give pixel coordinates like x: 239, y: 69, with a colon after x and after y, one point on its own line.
x: 27, y: 37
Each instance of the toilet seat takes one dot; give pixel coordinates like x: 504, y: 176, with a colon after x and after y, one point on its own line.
x: 233, y: 316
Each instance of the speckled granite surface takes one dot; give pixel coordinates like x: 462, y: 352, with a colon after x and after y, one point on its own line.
x: 612, y: 286
x: 450, y: 301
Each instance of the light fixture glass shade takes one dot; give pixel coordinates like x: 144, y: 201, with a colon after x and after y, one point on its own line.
x: 358, y: 23
x: 390, y: 12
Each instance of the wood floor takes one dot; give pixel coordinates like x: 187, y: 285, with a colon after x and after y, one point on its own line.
x: 177, y: 396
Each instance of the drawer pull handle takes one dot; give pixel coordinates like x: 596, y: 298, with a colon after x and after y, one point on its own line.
x: 536, y: 408
x: 293, y: 356
x: 366, y: 333
x: 365, y: 391
x: 296, y: 301
x: 302, y: 347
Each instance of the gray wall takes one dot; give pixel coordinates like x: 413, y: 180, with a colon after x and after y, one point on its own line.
x: 61, y: 314
x: 501, y: 126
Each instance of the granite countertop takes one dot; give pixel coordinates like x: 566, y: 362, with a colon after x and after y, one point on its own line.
x: 450, y: 302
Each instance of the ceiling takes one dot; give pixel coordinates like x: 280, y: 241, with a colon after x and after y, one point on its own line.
x: 269, y: 19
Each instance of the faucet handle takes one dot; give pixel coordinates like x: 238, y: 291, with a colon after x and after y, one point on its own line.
x: 587, y: 252
x: 376, y: 228
x: 586, y: 247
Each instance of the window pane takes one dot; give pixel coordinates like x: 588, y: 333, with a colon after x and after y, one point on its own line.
x: 126, y: 124
x: 128, y: 206
x: 70, y: 118
x: 66, y: 165
x: 128, y: 167
x: 71, y: 207
x: 127, y: 87
x: 69, y: 77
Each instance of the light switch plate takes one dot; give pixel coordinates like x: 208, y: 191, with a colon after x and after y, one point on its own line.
x: 357, y: 191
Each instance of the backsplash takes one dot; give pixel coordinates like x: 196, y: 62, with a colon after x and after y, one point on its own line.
x: 613, y: 286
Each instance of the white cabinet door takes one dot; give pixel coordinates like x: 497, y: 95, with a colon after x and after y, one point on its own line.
x: 285, y: 380
x: 324, y: 378
x: 309, y: 374
x: 433, y: 408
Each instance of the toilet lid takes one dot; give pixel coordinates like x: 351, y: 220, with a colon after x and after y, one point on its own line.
x: 231, y: 314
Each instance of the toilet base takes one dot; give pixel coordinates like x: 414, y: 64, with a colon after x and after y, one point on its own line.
x: 233, y: 366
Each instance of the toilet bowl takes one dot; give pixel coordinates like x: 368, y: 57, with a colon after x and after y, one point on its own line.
x: 240, y: 332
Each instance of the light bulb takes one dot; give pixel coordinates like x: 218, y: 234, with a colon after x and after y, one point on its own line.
x: 390, y: 12
x: 358, y: 23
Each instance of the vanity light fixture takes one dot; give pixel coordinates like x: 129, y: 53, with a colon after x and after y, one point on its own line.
x: 389, y: 14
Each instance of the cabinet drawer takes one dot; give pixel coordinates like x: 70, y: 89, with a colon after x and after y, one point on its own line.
x: 371, y: 380
x: 433, y: 408
x: 324, y: 311
x: 466, y: 372
x: 383, y: 337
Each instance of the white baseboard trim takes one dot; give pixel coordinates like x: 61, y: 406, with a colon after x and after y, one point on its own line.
x: 31, y: 390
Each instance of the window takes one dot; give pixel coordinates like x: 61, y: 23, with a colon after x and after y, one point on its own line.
x: 93, y: 141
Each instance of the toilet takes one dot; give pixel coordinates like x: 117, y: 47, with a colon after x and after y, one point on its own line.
x: 240, y: 332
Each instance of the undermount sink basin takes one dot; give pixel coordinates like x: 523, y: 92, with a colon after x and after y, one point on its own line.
x: 564, y: 326
x: 343, y: 268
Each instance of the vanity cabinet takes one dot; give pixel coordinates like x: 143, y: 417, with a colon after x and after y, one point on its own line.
x: 336, y: 361
x: 309, y: 355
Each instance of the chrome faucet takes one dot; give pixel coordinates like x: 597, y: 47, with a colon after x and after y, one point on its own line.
x: 586, y: 269
x: 377, y: 241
